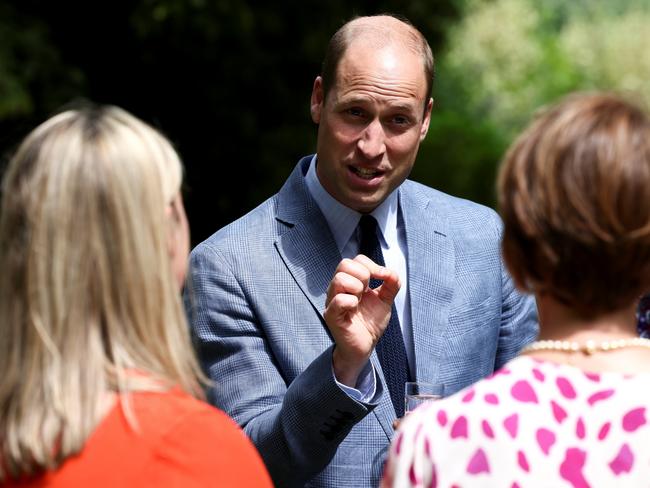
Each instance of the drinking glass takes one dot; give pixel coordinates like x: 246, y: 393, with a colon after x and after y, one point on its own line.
x: 417, y: 392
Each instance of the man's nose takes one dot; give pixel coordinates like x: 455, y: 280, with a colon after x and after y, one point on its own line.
x: 372, y: 142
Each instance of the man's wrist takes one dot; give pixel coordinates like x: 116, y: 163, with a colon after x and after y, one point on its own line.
x: 347, y: 371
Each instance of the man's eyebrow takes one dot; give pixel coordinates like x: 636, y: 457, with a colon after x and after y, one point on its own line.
x: 403, y: 107
x: 398, y: 106
x: 353, y: 100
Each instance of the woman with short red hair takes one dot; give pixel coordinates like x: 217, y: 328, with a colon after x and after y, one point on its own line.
x: 574, y: 408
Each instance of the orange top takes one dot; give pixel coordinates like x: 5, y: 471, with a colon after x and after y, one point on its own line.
x: 180, y: 442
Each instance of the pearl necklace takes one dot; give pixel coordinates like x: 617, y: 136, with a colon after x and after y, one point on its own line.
x: 590, y: 347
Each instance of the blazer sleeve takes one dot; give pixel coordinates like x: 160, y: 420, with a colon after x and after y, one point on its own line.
x: 296, y: 427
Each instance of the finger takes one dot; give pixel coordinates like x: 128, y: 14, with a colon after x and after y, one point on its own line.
x: 356, y: 269
x: 391, y: 285
x: 344, y: 283
x: 339, y: 308
x: 368, y: 263
x: 376, y: 270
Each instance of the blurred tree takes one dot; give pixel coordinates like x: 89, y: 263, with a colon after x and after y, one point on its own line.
x: 228, y: 82
x: 33, y: 78
x: 506, y: 58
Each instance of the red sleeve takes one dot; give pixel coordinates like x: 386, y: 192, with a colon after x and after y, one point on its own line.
x: 206, y: 449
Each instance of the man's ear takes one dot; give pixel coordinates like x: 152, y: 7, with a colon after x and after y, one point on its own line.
x: 426, y: 120
x: 317, y: 100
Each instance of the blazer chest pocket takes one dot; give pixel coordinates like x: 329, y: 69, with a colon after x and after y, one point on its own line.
x: 481, y: 319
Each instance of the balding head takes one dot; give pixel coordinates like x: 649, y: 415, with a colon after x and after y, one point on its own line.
x: 378, y: 31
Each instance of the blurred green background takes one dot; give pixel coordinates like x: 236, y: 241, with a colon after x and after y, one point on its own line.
x: 229, y: 81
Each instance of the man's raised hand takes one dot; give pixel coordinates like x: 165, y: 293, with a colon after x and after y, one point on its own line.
x: 357, y: 315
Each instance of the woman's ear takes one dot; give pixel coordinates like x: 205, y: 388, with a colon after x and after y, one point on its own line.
x: 178, y: 239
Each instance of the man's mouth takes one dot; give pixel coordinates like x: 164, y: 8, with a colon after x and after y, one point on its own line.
x: 366, y: 174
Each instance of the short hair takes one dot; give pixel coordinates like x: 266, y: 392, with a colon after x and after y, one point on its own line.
x: 88, y: 300
x: 574, y: 194
x: 352, y: 29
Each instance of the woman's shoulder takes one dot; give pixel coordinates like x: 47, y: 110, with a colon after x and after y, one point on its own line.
x: 162, y: 439
x: 164, y: 414
x: 530, y: 382
x: 453, y: 413
x: 525, y: 420
x: 169, y: 403
x: 208, y: 445
x: 529, y: 398
x: 194, y: 443
x: 495, y: 388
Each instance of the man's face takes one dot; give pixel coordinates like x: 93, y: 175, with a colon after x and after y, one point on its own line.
x: 371, y: 123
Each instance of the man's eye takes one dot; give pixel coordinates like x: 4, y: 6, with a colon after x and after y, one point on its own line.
x: 356, y: 112
x: 400, y: 120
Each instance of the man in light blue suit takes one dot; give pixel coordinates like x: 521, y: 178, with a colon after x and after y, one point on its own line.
x: 287, y: 324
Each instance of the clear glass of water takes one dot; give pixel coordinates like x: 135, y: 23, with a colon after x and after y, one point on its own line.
x: 417, y: 392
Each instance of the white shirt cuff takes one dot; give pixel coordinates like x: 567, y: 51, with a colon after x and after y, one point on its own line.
x: 366, y: 384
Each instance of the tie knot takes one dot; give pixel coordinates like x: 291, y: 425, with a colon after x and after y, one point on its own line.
x: 369, y: 241
x: 368, y: 226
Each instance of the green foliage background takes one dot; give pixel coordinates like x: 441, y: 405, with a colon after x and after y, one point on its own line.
x: 504, y: 59
x: 229, y: 81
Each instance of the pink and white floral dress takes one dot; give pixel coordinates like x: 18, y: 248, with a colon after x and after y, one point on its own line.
x: 532, y: 424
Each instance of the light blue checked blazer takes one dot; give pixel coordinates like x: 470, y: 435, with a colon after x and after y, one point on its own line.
x: 257, y: 293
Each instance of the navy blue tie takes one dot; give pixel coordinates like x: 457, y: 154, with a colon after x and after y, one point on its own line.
x: 390, y: 348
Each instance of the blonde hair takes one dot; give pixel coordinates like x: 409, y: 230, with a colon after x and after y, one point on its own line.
x: 88, y: 302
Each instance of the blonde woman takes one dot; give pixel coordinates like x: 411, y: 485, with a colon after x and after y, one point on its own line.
x: 99, y: 384
x: 574, y: 409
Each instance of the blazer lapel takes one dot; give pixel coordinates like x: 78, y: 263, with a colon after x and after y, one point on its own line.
x: 431, y: 262
x: 305, y: 244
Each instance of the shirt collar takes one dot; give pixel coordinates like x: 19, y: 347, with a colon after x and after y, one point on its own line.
x: 343, y: 221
